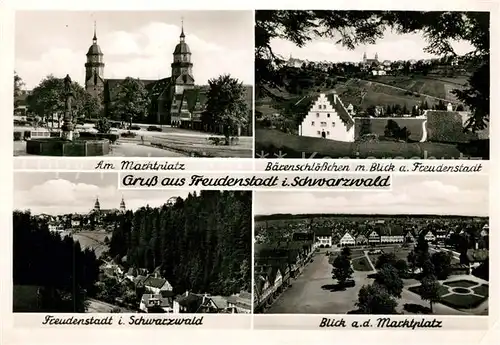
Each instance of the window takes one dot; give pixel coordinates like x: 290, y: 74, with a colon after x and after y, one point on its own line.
x: 323, y: 124
x: 319, y: 132
x: 333, y: 124
x: 327, y: 115
x: 317, y: 114
x: 312, y: 123
x: 327, y: 132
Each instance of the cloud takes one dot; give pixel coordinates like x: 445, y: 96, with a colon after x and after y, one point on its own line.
x: 61, y: 196
x: 144, y: 53
x: 388, y: 48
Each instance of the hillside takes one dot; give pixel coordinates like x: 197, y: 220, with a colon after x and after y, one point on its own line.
x: 380, y: 91
x: 275, y: 143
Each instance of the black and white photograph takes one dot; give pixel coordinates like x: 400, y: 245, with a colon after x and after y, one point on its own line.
x: 134, y: 83
x: 372, y: 84
x: 421, y: 249
x: 80, y: 245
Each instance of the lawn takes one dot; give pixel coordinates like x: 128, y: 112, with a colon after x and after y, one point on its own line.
x: 200, y: 146
x: 365, y: 125
x: 443, y: 290
x: 361, y: 264
x: 460, y: 283
x: 462, y: 301
x: 275, y: 143
x: 482, y: 290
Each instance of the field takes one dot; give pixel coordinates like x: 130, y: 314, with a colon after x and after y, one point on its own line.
x: 93, y: 240
x: 361, y: 264
x: 433, y: 86
x: 275, y: 143
x: 377, y: 126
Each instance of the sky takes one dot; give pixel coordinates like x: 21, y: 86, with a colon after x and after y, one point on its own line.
x: 391, y: 47
x: 465, y: 195
x: 64, y: 193
x: 136, y: 44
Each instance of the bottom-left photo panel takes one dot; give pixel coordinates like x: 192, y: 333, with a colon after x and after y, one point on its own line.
x: 81, y: 245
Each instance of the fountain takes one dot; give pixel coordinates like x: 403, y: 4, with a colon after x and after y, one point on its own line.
x: 66, y: 144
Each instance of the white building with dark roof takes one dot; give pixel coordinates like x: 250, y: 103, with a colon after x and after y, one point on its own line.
x: 328, y: 118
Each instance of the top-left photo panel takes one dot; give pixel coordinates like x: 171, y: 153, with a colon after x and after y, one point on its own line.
x: 134, y: 84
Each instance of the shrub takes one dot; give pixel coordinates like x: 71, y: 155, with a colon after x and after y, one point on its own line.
x: 217, y: 140
x: 17, y: 136
x: 128, y: 134
x: 102, y: 125
x: 110, y: 136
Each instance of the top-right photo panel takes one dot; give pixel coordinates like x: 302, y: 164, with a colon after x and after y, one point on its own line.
x: 372, y: 84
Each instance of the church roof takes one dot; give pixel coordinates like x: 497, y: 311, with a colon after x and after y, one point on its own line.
x: 182, y: 48
x: 94, y: 50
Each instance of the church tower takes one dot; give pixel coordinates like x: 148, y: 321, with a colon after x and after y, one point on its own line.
x: 376, y: 56
x: 94, y: 68
x: 123, y: 209
x: 182, y: 67
x: 97, y: 205
x: 364, y: 57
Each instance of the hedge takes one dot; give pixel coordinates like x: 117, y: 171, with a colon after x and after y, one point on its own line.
x: 110, y: 136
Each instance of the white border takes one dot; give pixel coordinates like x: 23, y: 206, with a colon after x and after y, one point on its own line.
x: 81, y: 335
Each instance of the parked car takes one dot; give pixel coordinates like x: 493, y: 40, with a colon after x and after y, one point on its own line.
x: 154, y: 129
x: 134, y: 128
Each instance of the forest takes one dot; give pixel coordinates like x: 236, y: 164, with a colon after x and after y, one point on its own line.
x: 62, y: 272
x: 201, y: 243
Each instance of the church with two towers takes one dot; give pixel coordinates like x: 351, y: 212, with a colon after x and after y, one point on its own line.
x: 175, y: 100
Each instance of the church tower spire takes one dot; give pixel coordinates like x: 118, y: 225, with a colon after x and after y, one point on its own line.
x: 182, y: 37
x: 94, y: 68
x: 94, y: 40
x: 182, y: 67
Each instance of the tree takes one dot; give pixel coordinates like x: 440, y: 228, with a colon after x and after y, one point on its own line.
x: 421, y: 251
x: 388, y: 277
x: 132, y: 101
x: 103, y: 126
x: 342, y: 269
x: 48, y: 98
x: 428, y: 268
x: 374, y: 299
x: 354, y: 28
x: 412, y: 261
x: 442, y: 264
x: 385, y: 259
x: 402, y: 267
x: 346, y: 251
x: 226, y: 104
x: 430, y: 290
x: 18, y: 84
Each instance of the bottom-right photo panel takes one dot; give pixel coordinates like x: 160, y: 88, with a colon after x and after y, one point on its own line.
x: 419, y: 249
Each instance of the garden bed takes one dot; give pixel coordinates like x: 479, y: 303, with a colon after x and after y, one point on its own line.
x: 482, y: 290
x: 460, y: 283
x: 462, y: 301
x: 361, y: 264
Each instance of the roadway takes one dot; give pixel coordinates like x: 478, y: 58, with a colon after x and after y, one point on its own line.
x: 313, y: 292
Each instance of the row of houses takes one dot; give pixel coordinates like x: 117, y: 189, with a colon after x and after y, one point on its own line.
x: 324, y: 237
x: 277, y: 265
x: 158, y: 294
